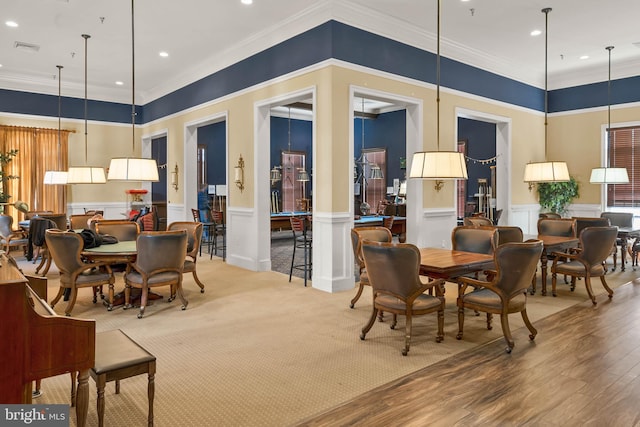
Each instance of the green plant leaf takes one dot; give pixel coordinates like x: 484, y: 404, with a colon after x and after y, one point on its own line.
x: 556, y: 196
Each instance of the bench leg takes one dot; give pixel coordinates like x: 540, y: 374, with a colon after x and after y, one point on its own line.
x: 82, y: 398
x: 151, y: 390
x: 100, y: 383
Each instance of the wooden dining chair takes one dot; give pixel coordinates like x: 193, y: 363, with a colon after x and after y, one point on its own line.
x: 394, y: 274
x: 506, y: 292
x: 595, y: 247
x: 150, y: 270
x: 121, y: 229
x: 358, y: 235
x: 65, y: 248
x: 194, y: 237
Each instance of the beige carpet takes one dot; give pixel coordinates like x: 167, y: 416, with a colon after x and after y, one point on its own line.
x: 256, y: 350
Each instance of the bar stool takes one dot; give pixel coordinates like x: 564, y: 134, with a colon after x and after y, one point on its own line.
x: 301, y: 240
x: 208, y: 230
x: 219, y: 229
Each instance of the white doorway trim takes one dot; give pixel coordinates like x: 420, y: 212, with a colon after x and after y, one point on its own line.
x: 503, y: 155
x: 262, y: 150
x: 190, y: 187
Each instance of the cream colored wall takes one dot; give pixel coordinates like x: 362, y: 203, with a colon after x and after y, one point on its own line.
x: 577, y: 139
x: 104, y: 142
x: 332, y: 126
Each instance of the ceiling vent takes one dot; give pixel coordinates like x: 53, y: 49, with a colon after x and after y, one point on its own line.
x: 28, y: 47
x: 636, y: 44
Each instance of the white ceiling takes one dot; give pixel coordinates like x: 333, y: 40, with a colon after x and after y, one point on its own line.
x: 203, y: 36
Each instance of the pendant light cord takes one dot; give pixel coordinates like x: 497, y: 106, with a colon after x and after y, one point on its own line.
x: 609, y: 48
x: 85, y: 37
x: 438, y: 78
x: 133, y: 81
x: 546, y: 11
x: 363, y: 162
x: 60, y: 67
x: 289, y: 132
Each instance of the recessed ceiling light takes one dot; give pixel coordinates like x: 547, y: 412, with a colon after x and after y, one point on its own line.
x: 247, y: 1
x: 119, y: 83
x: 536, y: 33
x: 163, y: 54
x: 584, y: 57
x: 11, y: 24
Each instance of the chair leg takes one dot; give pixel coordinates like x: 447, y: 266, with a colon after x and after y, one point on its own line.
x: 198, y: 282
x: 72, y: 301
x: 587, y: 282
x: 606, y: 286
x: 143, y: 300
x: 554, y: 279
x: 528, y: 324
x: 358, y: 294
x: 369, y: 324
x: 293, y: 257
x: 181, y: 295
x: 407, y: 334
x: 504, y: 319
x: 489, y: 319
x: 57, y: 297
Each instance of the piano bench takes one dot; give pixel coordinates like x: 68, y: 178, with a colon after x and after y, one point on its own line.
x: 119, y: 357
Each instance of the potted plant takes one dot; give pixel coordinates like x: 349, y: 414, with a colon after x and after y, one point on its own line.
x: 557, y: 196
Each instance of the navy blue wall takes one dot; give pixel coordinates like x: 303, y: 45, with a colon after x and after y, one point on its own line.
x: 481, y: 145
x: 214, y: 137
x: 301, y: 140
x: 331, y: 39
x: 388, y: 130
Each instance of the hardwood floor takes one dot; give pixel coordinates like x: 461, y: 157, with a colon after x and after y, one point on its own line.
x: 582, y: 369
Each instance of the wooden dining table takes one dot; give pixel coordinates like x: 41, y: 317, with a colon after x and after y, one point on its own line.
x: 441, y: 263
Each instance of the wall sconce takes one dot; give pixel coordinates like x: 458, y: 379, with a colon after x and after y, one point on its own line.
x: 174, y: 177
x: 239, y: 174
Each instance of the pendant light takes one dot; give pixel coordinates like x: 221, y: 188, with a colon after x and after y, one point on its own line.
x: 545, y: 171
x: 57, y: 177
x: 85, y: 174
x: 133, y: 168
x: 609, y: 175
x: 438, y: 165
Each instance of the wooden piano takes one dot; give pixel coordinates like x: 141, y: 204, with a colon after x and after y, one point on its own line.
x: 37, y: 343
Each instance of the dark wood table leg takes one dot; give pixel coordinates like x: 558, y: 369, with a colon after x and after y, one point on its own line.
x: 543, y: 271
x: 623, y: 252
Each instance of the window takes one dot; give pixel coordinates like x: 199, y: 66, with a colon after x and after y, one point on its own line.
x: 623, y: 151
